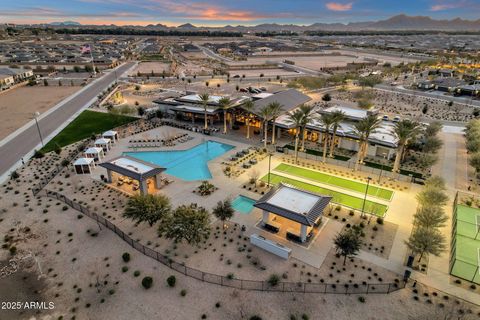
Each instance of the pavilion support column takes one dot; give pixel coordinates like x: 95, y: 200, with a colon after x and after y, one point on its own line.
x: 109, y: 176
x: 303, y: 232
x: 266, y: 217
x: 143, y: 187
x: 158, y: 181
x: 279, y: 134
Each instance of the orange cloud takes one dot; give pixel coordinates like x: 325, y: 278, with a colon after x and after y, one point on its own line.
x: 205, y: 11
x: 334, y: 6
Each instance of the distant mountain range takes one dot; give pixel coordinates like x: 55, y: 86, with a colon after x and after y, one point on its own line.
x: 65, y: 23
x: 396, y: 23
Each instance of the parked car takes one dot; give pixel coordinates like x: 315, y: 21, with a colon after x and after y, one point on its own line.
x: 243, y: 90
x: 396, y: 119
x: 385, y: 118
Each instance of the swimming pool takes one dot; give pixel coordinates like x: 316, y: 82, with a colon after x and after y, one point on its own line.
x: 243, y: 204
x: 189, y: 165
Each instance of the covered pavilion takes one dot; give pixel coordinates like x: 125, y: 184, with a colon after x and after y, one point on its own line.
x: 300, y: 211
x: 127, y: 168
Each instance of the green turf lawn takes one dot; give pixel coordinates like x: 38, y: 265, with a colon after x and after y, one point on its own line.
x: 466, y: 257
x: 338, y: 197
x: 86, y: 124
x: 335, y: 181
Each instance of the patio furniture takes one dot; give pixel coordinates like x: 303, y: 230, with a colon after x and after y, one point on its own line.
x: 272, y: 227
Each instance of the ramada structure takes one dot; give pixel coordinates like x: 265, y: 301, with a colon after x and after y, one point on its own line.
x: 124, y: 168
x: 300, y: 211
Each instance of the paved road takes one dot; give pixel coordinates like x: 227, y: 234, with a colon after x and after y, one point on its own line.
x: 12, y: 151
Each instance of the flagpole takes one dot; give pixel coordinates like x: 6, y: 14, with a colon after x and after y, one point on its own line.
x: 93, y: 63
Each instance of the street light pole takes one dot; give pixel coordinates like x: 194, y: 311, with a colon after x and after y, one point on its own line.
x: 383, y: 167
x: 365, y: 197
x: 35, y: 116
x: 269, y: 166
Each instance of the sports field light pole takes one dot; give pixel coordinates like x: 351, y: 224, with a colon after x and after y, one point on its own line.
x: 365, y: 197
x: 35, y: 116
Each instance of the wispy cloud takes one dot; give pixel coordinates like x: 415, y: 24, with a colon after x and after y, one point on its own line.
x: 441, y: 5
x: 335, y: 6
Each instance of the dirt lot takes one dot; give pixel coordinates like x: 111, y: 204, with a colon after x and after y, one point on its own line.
x: 315, y: 62
x: 83, y: 276
x: 148, y: 67
x: 18, y: 105
x: 265, y: 72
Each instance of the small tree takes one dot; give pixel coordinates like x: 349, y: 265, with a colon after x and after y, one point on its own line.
x: 327, y: 97
x: 431, y: 196
x: 474, y: 161
x: 147, y: 208
x: 430, y: 217
x: 426, y: 241
x: 187, y: 222
x: 223, y: 211
x: 347, y: 244
x: 14, y: 175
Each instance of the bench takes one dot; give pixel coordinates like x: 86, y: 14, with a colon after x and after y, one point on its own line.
x: 272, y: 226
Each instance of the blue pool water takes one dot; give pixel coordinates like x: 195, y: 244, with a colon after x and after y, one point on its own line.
x: 189, y: 165
x: 243, y: 204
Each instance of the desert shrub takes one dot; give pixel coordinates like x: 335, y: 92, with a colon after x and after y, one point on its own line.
x: 361, y: 299
x: 183, y: 293
x: 171, y: 281
x: 126, y: 256
x: 147, y: 282
x: 273, y: 280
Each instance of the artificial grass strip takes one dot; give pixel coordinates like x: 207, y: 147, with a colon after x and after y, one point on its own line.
x: 347, y: 184
x: 338, y: 197
x: 85, y: 125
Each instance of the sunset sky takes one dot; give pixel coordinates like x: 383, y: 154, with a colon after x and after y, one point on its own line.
x: 217, y: 13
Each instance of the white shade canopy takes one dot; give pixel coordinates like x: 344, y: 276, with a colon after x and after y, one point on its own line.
x: 103, y: 141
x: 83, y: 161
x: 94, y: 150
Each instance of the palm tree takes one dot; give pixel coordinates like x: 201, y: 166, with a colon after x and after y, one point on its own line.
x: 327, y: 121
x: 307, y: 117
x: 364, y: 128
x: 225, y: 103
x: 337, y: 117
x: 296, y: 118
x: 248, y: 106
x: 404, y: 130
x: 204, y: 98
x: 275, y: 111
x: 265, y: 114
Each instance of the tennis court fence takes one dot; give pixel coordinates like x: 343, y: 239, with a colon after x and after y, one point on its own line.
x: 465, y: 237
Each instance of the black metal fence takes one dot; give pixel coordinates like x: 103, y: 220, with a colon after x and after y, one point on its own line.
x: 302, y: 287
x: 57, y: 169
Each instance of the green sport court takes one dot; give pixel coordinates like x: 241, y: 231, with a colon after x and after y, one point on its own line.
x: 338, y: 197
x: 347, y: 184
x: 465, y: 256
